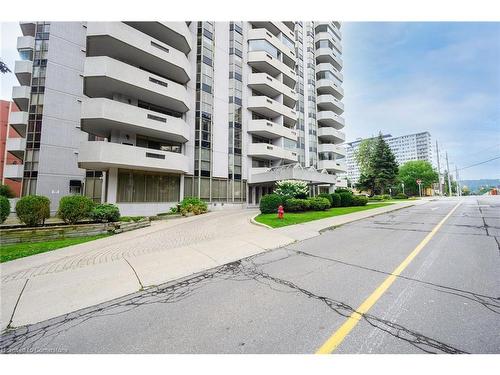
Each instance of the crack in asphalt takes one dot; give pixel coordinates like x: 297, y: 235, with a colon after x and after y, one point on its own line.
x: 487, y: 227
x: 490, y: 303
x: 37, y: 338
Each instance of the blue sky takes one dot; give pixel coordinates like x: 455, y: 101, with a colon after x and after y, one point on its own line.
x: 402, y: 78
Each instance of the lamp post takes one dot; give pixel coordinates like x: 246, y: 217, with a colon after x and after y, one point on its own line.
x: 403, y: 186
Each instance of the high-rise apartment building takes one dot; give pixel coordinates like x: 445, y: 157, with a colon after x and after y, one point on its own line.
x: 142, y: 114
x: 11, y: 149
x: 409, y: 147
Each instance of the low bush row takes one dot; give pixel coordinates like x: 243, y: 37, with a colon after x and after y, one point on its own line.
x: 269, y: 203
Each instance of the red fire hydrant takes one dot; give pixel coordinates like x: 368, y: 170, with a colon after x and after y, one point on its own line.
x: 281, y: 211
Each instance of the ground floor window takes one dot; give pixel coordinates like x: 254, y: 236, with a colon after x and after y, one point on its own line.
x: 140, y: 186
x: 93, y: 185
x: 215, y: 189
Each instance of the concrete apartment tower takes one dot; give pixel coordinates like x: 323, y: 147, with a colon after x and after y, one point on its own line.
x: 142, y: 114
x: 417, y: 146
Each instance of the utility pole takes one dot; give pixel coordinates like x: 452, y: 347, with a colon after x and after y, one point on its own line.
x: 439, y: 170
x: 459, y: 191
x: 448, y: 171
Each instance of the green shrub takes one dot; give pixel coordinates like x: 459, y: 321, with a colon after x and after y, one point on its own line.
x: 296, y: 205
x: 342, y: 190
x: 401, y: 196
x: 105, y: 213
x: 335, y: 199
x: 379, y: 198
x: 4, y: 208
x: 193, y: 205
x: 292, y: 189
x: 359, y: 200
x: 74, y: 208
x: 327, y: 196
x: 6, y: 191
x: 319, y: 203
x: 345, y: 199
x: 127, y: 219
x: 269, y: 203
x: 32, y: 210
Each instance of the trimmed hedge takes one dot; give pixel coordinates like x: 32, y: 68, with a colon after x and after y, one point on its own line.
x: 74, y: 208
x: 346, y: 199
x: 193, y: 205
x: 401, y: 196
x: 296, y: 205
x: 341, y: 190
x: 4, y: 208
x: 105, y: 213
x: 383, y: 197
x: 359, y: 200
x: 319, y: 204
x: 32, y: 210
x: 269, y: 203
x: 335, y: 199
x: 6, y: 191
x: 327, y: 196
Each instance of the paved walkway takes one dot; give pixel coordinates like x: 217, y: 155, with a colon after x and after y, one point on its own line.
x: 61, y: 281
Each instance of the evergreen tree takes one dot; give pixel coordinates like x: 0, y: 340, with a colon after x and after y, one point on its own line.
x: 384, y: 166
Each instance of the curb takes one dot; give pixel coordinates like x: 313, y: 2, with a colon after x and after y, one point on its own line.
x: 253, y: 221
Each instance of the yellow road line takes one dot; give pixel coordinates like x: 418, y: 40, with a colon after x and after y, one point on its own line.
x: 336, y: 339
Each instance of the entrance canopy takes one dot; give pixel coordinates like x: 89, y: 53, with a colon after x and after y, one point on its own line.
x: 294, y: 172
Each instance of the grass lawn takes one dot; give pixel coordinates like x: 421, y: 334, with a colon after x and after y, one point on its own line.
x: 302, y: 217
x: 21, y: 250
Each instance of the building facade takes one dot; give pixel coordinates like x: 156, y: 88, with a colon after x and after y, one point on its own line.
x: 141, y: 114
x: 405, y: 148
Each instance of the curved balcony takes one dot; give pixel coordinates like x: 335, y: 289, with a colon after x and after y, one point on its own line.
x: 329, y: 87
x: 101, y: 115
x: 330, y: 118
x: 28, y: 28
x: 26, y: 42
x: 275, y: 27
x: 326, y: 55
x: 328, y: 134
x: 270, y: 130
x: 124, y: 43
x: 13, y: 171
x: 332, y: 165
x: 327, y: 67
x: 19, y: 121
x: 327, y: 36
x: 265, y: 62
x: 270, y: 108
x: 175, y: 34
x: 23, y: 70
x: 290, y: 25
x: 271, y: 152
x: 104, y: 155
x: 263, y: 34
x: 328, y: 102
x: 332, y: 148
x: 16, y: 146
x: 272, y: 87
x: 104, y: 77
x: 21, y: 96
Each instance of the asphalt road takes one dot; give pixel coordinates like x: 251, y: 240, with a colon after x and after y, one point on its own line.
x: 291, y: 300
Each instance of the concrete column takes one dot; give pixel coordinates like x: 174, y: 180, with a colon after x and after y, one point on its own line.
x: 112, y: 185
x: 181, y: 188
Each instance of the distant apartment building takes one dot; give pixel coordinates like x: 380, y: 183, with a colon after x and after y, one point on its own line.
x: 409, y: 147
x: 11, y: 149
x: 142, y: 114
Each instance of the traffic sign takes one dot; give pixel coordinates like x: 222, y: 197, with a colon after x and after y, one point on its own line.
x: 419, y: 181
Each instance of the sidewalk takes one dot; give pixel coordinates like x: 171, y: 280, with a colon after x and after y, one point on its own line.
x: 50, y: 284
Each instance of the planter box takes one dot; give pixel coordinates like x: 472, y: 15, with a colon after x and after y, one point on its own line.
x: 57, y: 232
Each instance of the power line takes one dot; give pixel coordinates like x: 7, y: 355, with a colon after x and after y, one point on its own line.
x: 482, y: 162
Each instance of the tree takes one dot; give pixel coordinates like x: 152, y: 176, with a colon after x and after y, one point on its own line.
x: 384, y: 166
x: 364, y: 157
x: 415, y: 170
x: 465, y: 190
